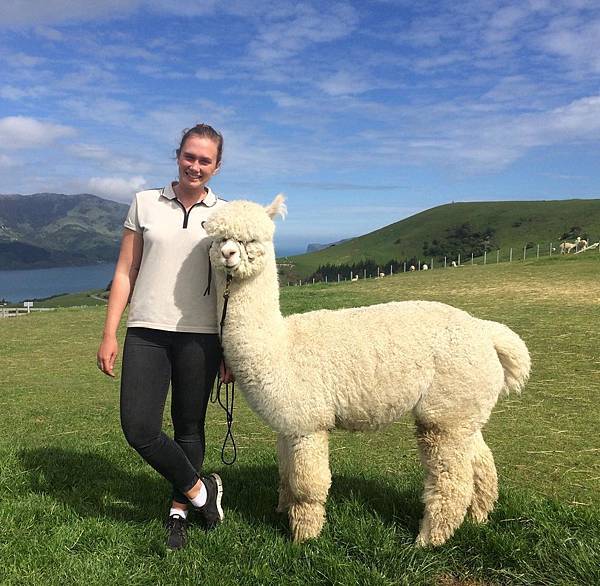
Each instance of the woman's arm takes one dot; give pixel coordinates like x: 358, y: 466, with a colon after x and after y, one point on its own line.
x: 126, y: 271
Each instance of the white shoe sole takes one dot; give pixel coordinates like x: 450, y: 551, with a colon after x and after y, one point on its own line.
x: 219, y: 494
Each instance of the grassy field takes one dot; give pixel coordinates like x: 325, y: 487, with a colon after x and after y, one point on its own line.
x: 77, y: 505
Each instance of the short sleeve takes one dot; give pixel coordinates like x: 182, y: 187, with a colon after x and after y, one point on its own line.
x: 132, y: 221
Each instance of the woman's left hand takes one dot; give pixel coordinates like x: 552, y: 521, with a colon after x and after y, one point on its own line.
x: 225, y: 374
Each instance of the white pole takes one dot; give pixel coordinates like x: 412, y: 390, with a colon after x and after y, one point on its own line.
x: 391, y: 270
x: 364, y: 273
x: 538, y: 251
x: 404, y: 267
x: 550, y: 249
x: 485, y: 257
x: 300, y: 282
x: 472, y: 255
x: 497, y: 256
x: 313, y: 280
x: 524, y: 252
x: 510, y: 256
x: 431, y: 267
x: 338, y: 277
x: 419, y: 265
x: 444, y: 262
x: 325, y: 279
x: 459, y: 259
x: 351, y: 275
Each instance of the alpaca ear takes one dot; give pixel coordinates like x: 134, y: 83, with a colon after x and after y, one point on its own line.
x: 277, y: 207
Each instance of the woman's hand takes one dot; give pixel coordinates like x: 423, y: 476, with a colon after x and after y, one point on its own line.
x: 225, y: 374
x: 107, y: 354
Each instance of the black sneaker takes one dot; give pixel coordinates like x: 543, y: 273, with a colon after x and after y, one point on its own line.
x: 211, y: 510
x: 176, y: 532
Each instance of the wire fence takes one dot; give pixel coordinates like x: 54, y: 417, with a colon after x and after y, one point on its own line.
x: 527, y: 252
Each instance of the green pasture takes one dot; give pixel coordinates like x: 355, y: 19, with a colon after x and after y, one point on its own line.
x: 78, y: 506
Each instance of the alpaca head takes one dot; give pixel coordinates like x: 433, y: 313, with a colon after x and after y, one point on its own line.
x: 242, y: 235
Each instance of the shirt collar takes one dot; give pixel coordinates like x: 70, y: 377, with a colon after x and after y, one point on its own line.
x: 209, y: 200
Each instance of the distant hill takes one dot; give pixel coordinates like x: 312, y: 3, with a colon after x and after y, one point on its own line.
x: 460, y: 228
x: 316, y: 247
x: 52, y: 229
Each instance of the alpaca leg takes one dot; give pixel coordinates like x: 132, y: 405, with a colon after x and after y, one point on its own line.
x: 447, y: 458
x: 309, y: 480
x: 283, y: 458
x: 485, y: 481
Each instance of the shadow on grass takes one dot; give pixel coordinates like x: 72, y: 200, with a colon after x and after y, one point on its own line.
x: 252, y: 492
x: 93, y: 485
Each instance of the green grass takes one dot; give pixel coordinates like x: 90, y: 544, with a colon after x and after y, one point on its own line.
x: 81, y: 299
x: 77, y: 505
x: 515, y: 222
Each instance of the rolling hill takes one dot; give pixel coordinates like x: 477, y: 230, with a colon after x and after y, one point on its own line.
x: 51, y: 229
x: 463, y: 228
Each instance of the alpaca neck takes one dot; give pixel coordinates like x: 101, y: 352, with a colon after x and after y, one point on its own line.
x: 253, y: 317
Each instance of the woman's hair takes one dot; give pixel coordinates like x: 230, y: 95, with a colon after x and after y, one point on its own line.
x: 207, y: 132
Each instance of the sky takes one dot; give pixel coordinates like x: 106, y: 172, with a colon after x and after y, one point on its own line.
x: 361, y: 113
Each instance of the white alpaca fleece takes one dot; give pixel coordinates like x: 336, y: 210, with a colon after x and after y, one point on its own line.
x: 362, y: 368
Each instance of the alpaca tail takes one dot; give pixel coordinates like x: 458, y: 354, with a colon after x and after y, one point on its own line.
x: 513, y: 355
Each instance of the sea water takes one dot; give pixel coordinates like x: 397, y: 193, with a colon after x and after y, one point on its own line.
x: 17, y: 286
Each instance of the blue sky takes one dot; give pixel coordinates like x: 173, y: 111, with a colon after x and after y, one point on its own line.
x: 362, y: 113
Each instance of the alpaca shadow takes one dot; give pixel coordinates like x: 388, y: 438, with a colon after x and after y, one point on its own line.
x: 401, y: 508
x: 252, y: 492
x: 94, y: 486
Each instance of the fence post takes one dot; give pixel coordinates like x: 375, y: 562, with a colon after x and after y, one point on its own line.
x: 300, y: 282
x: 538, y: 252
x: 510, y: 255
x: 313, y: 280
x: 524, y: 252
x: 419, y: 265
x: 431, y: 267
x: 444, y: 262
x: 472, y: 257
x: 364, y: 273
x: 338, y: 277
x: 404, y: 267
x: 550, y: 249
x: 459, y: 259
x: 391, y: 270
x: 325, y: 279
x: 497, y: 256
x: 351, y: 275
x: 485, y: 257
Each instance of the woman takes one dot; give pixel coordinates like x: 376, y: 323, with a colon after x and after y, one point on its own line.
x: 171, y: 329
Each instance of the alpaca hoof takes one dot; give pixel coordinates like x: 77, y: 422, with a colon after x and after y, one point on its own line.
x: 303, y: 531
x: 478, y: 516
x: 306, y: 521
x: 430, y: 538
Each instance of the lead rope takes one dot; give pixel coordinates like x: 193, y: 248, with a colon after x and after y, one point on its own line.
x: 215, y: 396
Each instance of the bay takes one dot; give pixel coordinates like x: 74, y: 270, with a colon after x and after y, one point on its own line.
x: 16, y: 286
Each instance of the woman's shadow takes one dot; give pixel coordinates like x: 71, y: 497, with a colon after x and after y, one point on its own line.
x: 93, y: 485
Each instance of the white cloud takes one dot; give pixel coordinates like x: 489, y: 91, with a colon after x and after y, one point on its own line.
x: 7, y: 162
x: 344, y: 83
x: 117, y: 188
x: 287, y: 32
x: 19, y: 13
x: 21, y: 132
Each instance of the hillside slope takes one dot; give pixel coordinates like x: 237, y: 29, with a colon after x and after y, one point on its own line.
x: 51, y: 229
x: 461, y: 228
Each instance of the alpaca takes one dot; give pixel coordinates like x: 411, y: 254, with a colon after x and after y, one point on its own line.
x: 358, y: 369
x: 566, y: 247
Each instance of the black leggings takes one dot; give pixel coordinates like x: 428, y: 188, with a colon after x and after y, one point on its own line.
x: 152, y: 359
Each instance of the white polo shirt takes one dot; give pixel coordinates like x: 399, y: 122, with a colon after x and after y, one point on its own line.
x: 169, y: 290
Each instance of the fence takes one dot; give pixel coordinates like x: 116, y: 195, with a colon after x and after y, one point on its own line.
x: 17, y: 311
x: 510, y: 255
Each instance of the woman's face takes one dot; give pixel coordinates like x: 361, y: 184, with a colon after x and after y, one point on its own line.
x: 197, y: 162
